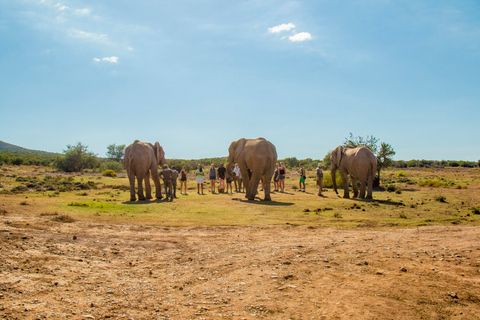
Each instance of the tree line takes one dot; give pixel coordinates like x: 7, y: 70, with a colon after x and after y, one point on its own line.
x: 77, y: 158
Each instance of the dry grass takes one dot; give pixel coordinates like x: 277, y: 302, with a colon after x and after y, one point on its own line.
x: 414, y: 205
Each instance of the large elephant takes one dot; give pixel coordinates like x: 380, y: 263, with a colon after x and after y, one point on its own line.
x: 254, y: 156
x: 360, y: 164
x: 141, y: 160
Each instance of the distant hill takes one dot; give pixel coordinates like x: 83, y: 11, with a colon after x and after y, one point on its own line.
x: 4, y: 146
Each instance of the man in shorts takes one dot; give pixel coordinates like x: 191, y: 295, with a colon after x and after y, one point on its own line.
x: 303, y: 177
x: 221, y: 178
x: 320, y: 178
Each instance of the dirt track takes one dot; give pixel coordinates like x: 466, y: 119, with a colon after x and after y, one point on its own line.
x: 86, y: 271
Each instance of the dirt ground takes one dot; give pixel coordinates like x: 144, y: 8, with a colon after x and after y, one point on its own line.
x: 83, y: 270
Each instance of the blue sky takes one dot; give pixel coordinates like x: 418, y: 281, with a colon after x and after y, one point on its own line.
x: 198, y: 74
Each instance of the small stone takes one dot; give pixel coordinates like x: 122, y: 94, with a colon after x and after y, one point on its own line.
x: 453, y: 295
x: 74, y: 237
x: 403, y: 269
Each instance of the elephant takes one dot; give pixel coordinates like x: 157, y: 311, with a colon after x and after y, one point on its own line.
x: 255, y: 157
x: 141, y: 160
x: 360, y: 164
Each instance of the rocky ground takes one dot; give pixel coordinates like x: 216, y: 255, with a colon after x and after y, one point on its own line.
x: 81, y: 270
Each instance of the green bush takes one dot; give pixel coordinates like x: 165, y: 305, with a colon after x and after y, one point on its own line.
x: 109, y: 173
x: 400, y: 174
x: 327, y: 180
x: 432, y: 183
x: 111, y: 165
x: 76, y: 159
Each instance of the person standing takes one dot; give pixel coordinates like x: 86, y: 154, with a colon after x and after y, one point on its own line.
x: 238, y: 178
x: 174, y: 181
x: 281, y: 177
x: 320, y: 178
x: 229, y: 183
x: 199, y: 176
x: 303, y: 177
x: 221, y: 178
x: 275, y: 178
x: 212, y: 175
x: 183, y: 180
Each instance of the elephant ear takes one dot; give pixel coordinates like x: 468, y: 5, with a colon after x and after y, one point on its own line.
x: 338, y: 155
x: 159, y: 153
x: 239, y: 147
x: 235, y: 149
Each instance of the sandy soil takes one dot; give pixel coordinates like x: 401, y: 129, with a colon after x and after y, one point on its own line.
x: 80, y: 270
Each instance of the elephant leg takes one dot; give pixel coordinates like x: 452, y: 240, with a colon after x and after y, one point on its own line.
x: 246, y: 180
x: 140, y: 179
x: 254, y: 185
x: 363, y: 185
x: 344, y: 175
x: 354, y: 186
x: 156, y: 181
x: 148, y: 187
x: 268, y: 180
x: 131, y: 179
x: 370, y: 186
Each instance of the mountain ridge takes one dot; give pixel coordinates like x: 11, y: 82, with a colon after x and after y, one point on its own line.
x: 5, y: 146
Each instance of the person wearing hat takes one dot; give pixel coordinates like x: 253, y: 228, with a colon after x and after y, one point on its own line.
x: 320, y: 178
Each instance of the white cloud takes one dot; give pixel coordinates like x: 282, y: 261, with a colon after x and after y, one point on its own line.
x: 299, y: 37
x: 281, y: 27
x: 111, y: 59
x: 61, y: 7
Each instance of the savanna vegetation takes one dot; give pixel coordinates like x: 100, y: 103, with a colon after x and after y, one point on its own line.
x: 73, y: 246
x: 406, y: 197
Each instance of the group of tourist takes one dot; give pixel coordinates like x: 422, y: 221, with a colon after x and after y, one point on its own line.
x: 221, y: 175
x: 170, y: 177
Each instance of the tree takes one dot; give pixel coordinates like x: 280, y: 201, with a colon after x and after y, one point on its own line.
x: 383, y: 153
x: 384, y: 158
x: 327, y: 161
x: 76, y: 158
x: 115, y: 152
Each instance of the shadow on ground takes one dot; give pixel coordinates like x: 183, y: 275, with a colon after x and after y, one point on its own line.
x: 265, y: 203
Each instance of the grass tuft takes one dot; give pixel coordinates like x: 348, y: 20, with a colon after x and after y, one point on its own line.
x: 64, y: 218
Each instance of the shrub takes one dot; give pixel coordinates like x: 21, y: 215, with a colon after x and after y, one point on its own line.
x: 440, y: 198
x: 109, y: 173
x: 402, y: 215
x: 63, y: 218
x: 327, y: 180
x: 475, y: 210
x: 432, y: 183
x: 400, y: 174
x: 391, y: 188
x: 111, y: 165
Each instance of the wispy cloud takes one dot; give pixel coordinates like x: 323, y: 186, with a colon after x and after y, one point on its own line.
x: 112, y: 59
x: 299, y: 37
x: 281, y: 27
x: 75, y: 33
x: 84, y: 11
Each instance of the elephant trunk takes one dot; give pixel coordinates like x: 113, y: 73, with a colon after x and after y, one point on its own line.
x: 229, y: 168
x: 333, y: 173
